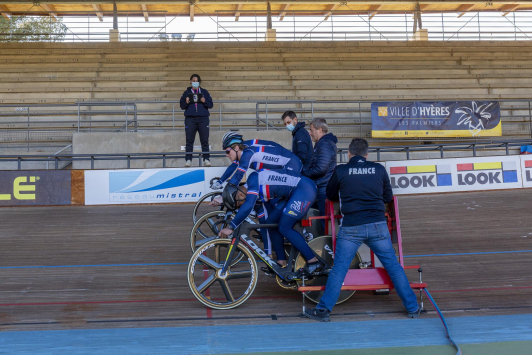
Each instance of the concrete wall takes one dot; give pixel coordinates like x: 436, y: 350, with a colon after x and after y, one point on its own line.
x: 159, y: 142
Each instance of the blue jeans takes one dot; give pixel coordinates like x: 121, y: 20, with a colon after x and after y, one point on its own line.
x: 377, y: 237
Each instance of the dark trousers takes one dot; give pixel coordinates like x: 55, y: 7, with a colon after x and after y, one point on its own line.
x: 200, y: 125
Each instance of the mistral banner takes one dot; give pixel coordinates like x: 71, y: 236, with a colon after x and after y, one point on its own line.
x: 106, y: 187
x: 435, y: 119
x: 449, y: 175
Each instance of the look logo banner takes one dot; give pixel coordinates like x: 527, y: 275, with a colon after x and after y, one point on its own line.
x: 526, y: 168
x: 448, y: 175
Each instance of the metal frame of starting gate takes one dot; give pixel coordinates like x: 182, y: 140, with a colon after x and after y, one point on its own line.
x: 371, y: 278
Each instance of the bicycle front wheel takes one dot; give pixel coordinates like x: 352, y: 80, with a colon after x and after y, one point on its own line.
x: 202, y: 207
x: 217, y: 290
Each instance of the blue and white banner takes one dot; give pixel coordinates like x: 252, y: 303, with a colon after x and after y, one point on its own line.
x: 106, y: 187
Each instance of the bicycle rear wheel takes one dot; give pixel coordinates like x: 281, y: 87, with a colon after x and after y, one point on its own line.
x: 219, y: 291
x: 322, y: 246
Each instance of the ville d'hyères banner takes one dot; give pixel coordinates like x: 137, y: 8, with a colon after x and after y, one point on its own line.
x: 435, y: 119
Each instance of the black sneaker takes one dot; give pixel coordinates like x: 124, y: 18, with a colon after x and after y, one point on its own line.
x: 321, y: 315
x: 414, y: 315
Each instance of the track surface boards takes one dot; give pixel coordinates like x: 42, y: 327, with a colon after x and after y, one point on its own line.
x: 125, y: 266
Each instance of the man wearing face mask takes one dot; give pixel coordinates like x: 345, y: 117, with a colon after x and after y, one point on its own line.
x: 196, y: 102
x: 301, y: 142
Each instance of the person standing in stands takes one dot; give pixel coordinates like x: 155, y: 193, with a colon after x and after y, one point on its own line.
x: 323, y: 161
x: 301, y: 142
x: 196, y: 102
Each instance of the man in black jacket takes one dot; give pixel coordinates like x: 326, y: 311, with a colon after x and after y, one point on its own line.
x: 363, y: 189
x: 323, y: 161
x: 301, y: 142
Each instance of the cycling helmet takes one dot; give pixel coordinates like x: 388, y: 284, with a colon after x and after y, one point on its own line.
x: 231, y: 138
x: 229, y: 196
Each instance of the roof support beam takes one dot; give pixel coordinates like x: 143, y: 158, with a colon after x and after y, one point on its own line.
x: 374, y: 8
x: 192, y: 5
x: 145, y: 12
x: 237, y: 13
x: 508, y: 8
x: 283, y: 14
x: 98, y: 10
x: 332, y: 8
x: 463, y: 9
x: 4, y: 11
x: 51, y: 10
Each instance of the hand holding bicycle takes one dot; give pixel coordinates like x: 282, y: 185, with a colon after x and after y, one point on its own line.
x: 217, y: 201
x: 225, y: 233
x: 216, y: 185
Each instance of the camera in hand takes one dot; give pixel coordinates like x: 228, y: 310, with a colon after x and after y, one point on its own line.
x: 195, y: 98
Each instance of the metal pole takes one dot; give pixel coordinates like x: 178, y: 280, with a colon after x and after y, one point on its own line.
x: 256, y: 28
x: 257, y: 114
x: 126, y: 116
x: 19, y: 163
x: 267, y: 125
x: 442, y: 28
x: 360, y: 120
x: 332, y: 27
x: 478, y: 20
x: 294, y: 15
x: 115, y: 17
x: 173, y: 116
x: 406, y: 27
x: 515, y: 28
x: 530, y: 117
x: 312, y: 110
x: 220, y: 116
x: 135, y: 117
x: 28, y: 129
x: 79, y: 119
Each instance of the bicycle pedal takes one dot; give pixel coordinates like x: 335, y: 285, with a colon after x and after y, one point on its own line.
x: 268, y: 272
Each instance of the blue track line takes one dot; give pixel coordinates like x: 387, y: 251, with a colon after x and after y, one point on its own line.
x: 480, y: 253
x: 170, y: 264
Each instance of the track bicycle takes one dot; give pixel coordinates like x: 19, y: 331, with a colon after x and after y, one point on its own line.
x: 218, y: 282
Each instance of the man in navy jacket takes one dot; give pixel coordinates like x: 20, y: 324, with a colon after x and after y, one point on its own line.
x: 196, y: 118
x: 363, y: 189
x: 323, y: 161
x: 301, y: 142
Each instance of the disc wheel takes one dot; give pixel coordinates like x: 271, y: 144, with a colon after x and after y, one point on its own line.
x: 323, y: 247
x: 202, y: 207
x: 219, y: 291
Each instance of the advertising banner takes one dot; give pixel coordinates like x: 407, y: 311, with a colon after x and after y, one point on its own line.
x: 448, y: 175
x: 526, y: 169
x: 35, y: 188
x: 435, y: 119
x: 104, y: 187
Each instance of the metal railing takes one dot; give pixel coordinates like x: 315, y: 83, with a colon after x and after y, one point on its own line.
x: 343, y: 24
x: 36, y: 123
x: 66, y: 159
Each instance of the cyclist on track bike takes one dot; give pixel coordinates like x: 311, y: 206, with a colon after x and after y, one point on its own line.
x: 255, y: 154
x: 295, y: 193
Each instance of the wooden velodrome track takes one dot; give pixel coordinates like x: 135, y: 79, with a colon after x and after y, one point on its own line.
x: 125, y: 266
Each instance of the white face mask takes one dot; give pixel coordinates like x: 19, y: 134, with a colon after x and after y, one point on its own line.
x: 290, y: 127
x: 195, y: 84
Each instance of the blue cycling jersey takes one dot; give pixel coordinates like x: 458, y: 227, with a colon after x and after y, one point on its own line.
x: 262, y: 157
x: 265, y: 185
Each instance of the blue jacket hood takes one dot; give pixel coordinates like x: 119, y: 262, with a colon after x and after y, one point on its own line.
x: 299, y: 125
x: 330, y: 136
